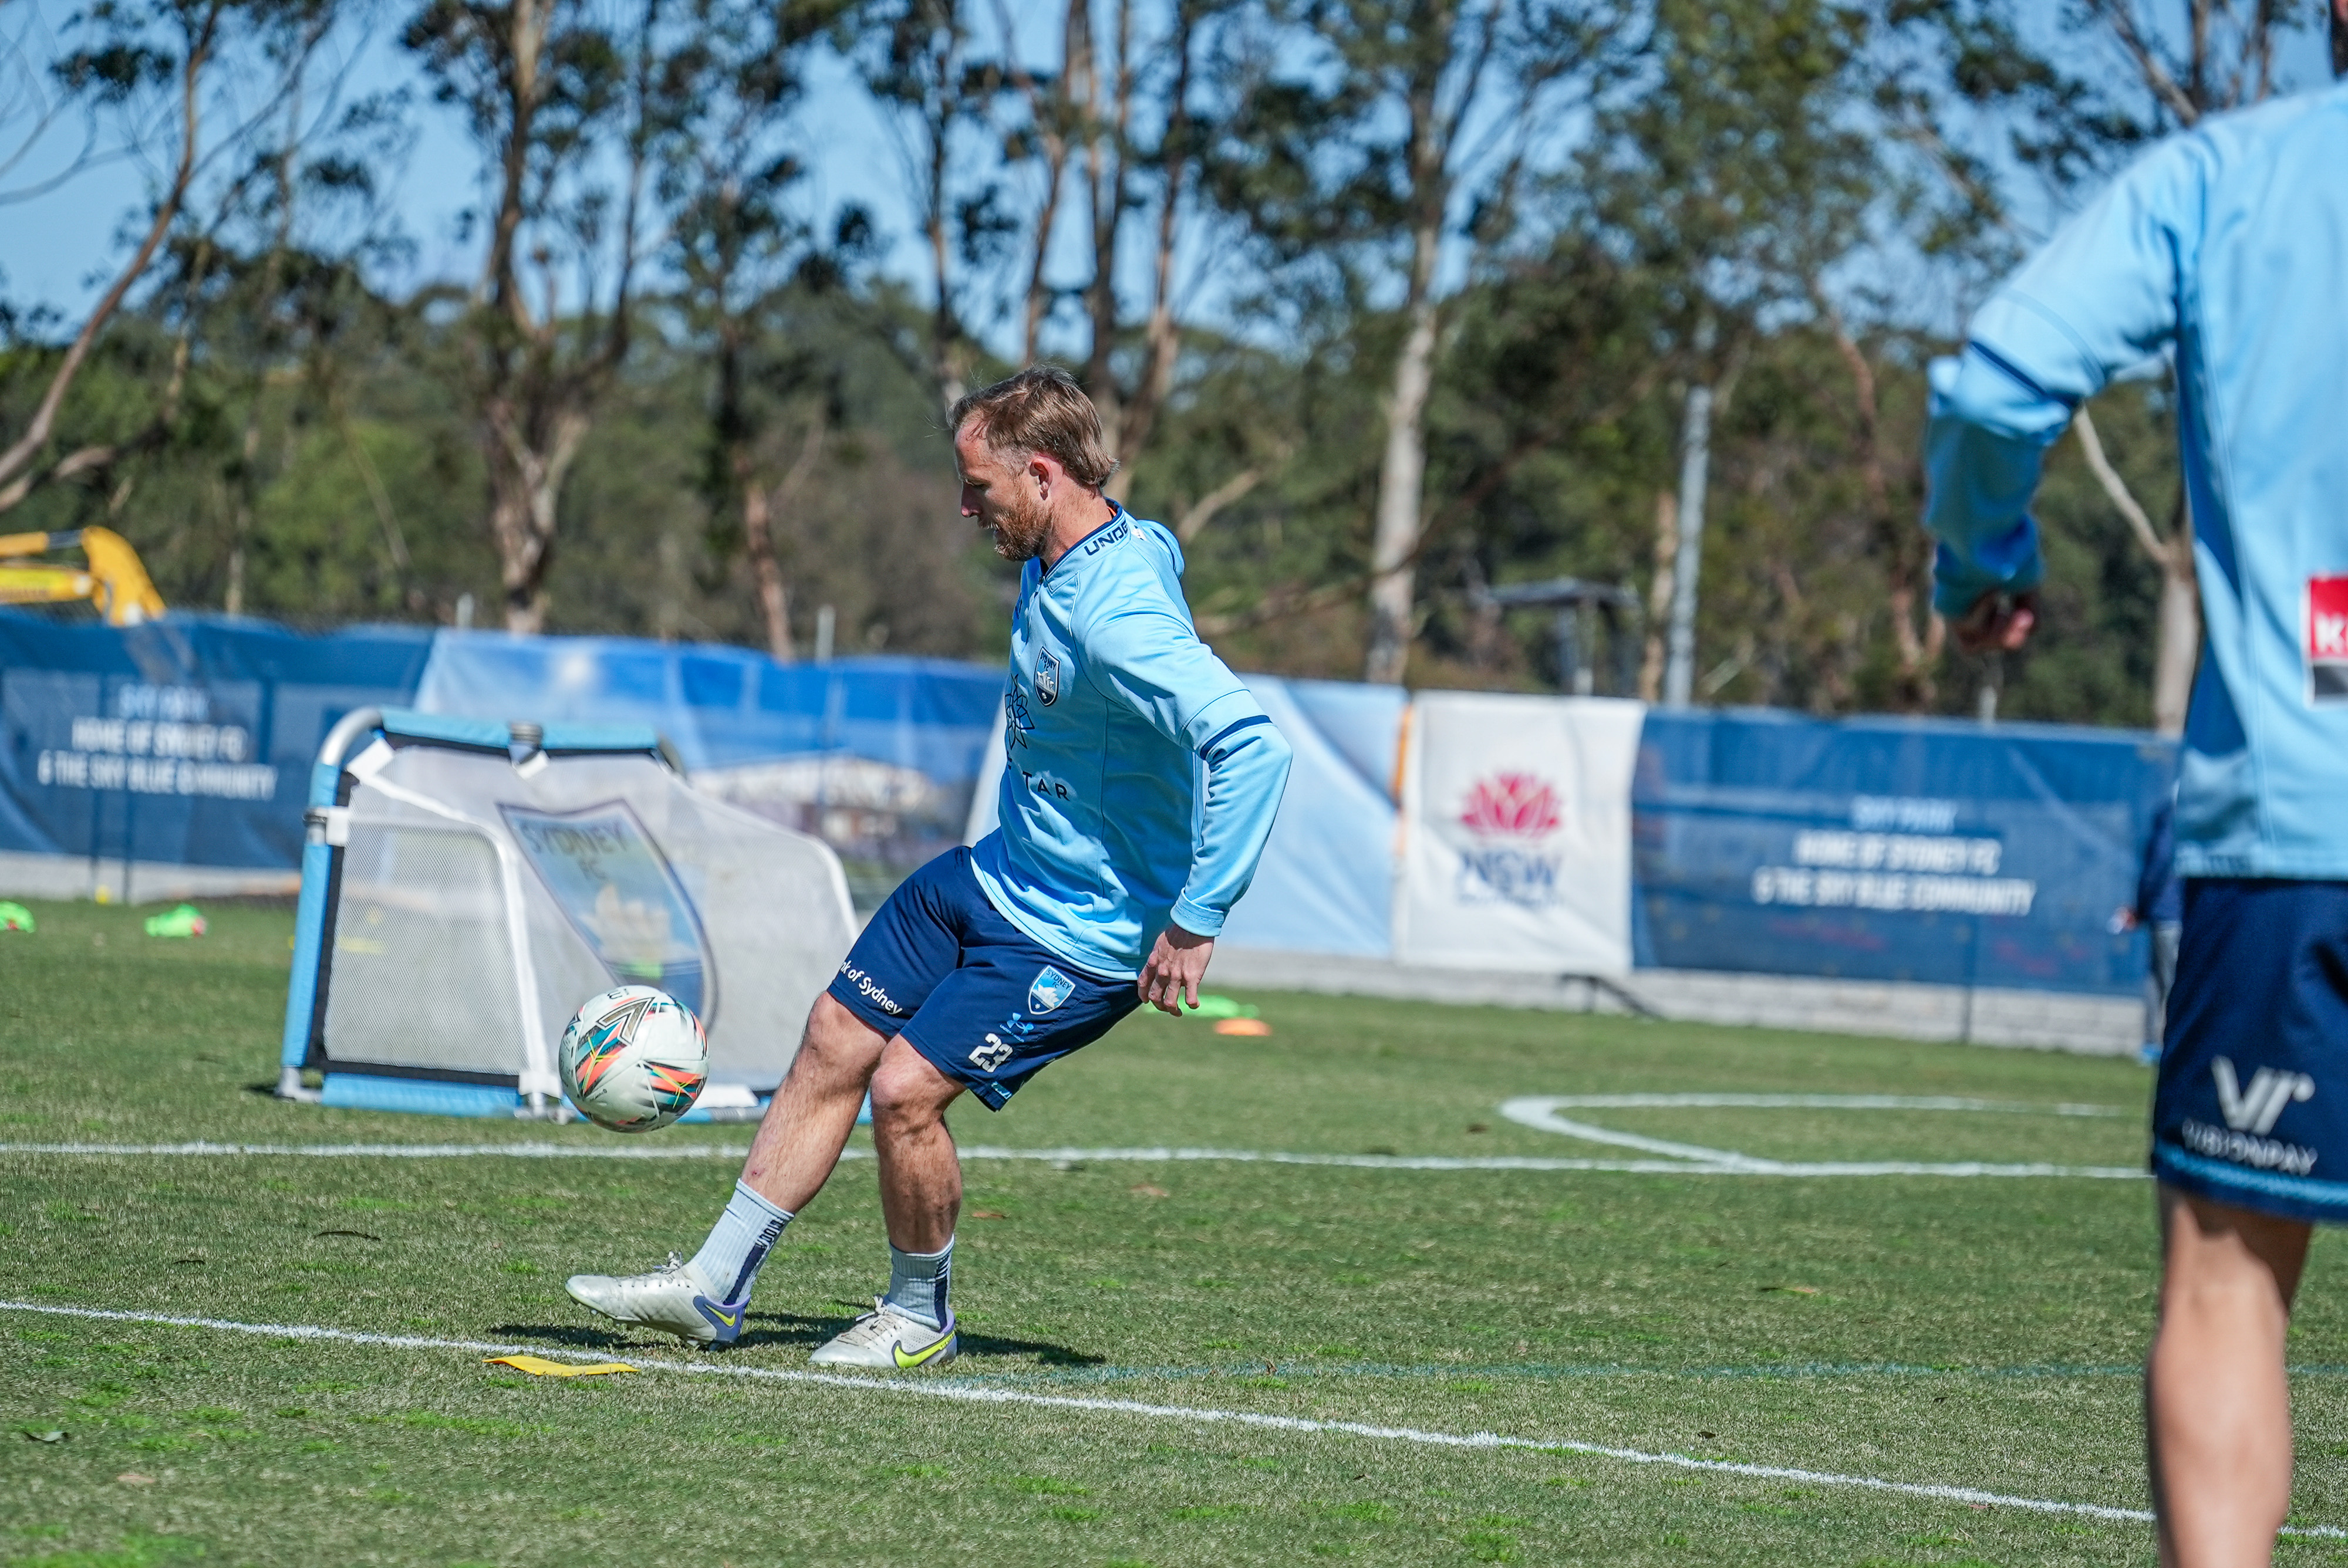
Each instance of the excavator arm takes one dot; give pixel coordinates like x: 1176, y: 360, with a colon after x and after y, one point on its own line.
x: 114, y: 578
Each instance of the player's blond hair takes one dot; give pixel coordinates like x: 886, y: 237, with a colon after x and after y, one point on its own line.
x: 1041, y: 409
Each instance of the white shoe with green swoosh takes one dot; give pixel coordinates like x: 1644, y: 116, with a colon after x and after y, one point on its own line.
x: 888, y: 1340
x: 674, y: 1299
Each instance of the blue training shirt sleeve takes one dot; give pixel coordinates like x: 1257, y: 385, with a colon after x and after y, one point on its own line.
x: 1146, y: 656
x: 2102, y: 297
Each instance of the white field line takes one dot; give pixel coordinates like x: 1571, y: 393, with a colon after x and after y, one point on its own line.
x: 967, y: 1393
x: 1716, y: 1163
x: 1831, y: 1103
x: 1540, y: 1110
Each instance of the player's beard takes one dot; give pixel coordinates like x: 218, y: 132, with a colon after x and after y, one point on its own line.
x: 1020, y: 529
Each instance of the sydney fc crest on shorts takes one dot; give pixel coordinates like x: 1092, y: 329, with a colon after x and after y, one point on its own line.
x: 2327, y: 640
x: 1051, y: 988
x: 1047, y: 677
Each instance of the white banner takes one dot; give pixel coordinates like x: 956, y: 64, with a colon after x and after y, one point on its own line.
x: 1516, y: 823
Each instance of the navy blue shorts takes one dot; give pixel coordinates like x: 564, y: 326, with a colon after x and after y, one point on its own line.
x: 987, y: 1004
x: 2252, y: 1107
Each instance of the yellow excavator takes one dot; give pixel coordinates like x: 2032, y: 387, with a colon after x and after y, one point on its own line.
x: 115, y: 579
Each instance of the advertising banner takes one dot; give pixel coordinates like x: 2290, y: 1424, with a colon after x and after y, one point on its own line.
x: 1516, y: 816
x: 186, y: 740
x: 1887, y: 849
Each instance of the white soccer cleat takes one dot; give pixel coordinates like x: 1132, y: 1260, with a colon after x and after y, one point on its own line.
x: 888, y: 1340
x: 672, y: 1298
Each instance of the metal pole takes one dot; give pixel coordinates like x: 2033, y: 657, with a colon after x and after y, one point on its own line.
x: 1695, y: 455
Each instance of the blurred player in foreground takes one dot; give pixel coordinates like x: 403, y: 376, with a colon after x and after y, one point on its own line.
x: 2226, y: 246
x: 1140, y: 785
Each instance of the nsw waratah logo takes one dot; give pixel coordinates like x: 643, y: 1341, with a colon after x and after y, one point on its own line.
x: 1511, y: 806
x: 1506, y: 815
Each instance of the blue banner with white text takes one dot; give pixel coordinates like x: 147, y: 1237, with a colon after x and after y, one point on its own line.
x: 1892, y: 849
x: 186, y: 740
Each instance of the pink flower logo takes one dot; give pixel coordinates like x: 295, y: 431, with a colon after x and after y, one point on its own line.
x: 1516, y: 805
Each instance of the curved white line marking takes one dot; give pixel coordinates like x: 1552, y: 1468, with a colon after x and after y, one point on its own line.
x: 968, y: 1393
x: 1540, y: 1112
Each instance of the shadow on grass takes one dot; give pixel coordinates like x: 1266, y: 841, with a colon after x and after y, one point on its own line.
x: 577, y: 1338
x: 798, y: 1329
x: 789, y: 1329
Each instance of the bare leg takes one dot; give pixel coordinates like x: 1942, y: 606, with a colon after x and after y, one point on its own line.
x: 2217, y: 1401
x: 808, y: 1123
x: 920, y: 1178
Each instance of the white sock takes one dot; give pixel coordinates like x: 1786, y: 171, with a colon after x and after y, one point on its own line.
x: 918, y: 1282
x: 728, y: 1261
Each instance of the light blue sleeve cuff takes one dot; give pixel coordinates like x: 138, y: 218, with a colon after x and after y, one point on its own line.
x: 1197, y: 920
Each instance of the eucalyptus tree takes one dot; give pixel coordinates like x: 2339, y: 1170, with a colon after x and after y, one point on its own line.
x: 558, y: 97
x: 1379, y: 147
x: 729, y: 167
x: 188, y: 86
x: 941, y: 90
x: 1125, y: 117
x: 1741, y: 171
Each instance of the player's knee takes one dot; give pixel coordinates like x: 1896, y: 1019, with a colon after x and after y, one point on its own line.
x: 908, y: 1092
x: 838, y: 1045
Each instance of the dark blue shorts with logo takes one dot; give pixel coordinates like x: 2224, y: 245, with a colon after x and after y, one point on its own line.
x: 2252, y: 1106
x: 987, y: 1004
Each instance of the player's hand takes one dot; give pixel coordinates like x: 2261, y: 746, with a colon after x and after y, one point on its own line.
x: 1998, y: 622
x: 1178, y: 962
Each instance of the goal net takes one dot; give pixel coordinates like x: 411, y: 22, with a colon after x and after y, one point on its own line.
x: 465, y: 885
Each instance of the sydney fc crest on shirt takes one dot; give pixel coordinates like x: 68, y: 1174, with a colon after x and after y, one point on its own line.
x: 1047, y: 677
x: 1051, y: 988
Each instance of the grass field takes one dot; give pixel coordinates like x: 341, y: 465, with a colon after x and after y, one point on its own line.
x: 1974, y: 1333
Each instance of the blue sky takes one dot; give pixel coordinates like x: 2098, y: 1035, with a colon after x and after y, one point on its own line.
x: 58, y: 247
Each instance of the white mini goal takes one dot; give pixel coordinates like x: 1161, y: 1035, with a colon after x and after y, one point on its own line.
x: 467, y: 885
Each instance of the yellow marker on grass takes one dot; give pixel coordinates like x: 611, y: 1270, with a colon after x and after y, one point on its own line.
x: 540, y: 1366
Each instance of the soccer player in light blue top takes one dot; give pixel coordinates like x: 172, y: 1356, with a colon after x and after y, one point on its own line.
x: 2227, y: 248
x: 1140, y: 785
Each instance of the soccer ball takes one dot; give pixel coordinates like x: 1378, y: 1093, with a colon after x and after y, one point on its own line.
x: 633, y: 1059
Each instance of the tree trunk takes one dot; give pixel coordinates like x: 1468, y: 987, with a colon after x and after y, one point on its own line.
x: 1163, y: 337
x: 948, y: 363
x: 758, y: 508
x: 2180, y: 634
x: 1906, y: 566
x: 1105, y: 170
x: 2181, y: 595
x: 525, y: 490
x: 1402, y: 477
x: 774, y: 602
x: 241, y: 499
x: 1695, y: 468
x: 1659, y: 594
x: 1051, y: 112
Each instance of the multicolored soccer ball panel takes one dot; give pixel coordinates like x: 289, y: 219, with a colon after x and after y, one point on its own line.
x: 633, y: 1059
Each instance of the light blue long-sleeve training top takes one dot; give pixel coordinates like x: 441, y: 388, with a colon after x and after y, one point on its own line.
x: 1140, y: 778
x: 2229, y: 246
